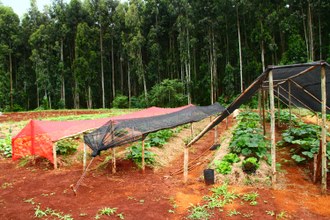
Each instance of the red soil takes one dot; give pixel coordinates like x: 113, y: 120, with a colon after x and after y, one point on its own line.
x: 151, y: 195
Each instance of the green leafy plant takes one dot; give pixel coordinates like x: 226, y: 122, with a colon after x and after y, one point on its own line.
x: 250, y: 165
x: 107, y: 211
x: 159, y: 138
x: 66, y: 146
x: 5, y: 145
x: 223, y: 167
x: 251, y: 197
x: 199, y: 212
x: 233, y: 212
x: 120, y: 101
x: 135, y: 154
x: 231, y: 158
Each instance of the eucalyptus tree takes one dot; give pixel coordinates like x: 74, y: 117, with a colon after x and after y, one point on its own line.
x: 135, y: 40
x: 9, y: 26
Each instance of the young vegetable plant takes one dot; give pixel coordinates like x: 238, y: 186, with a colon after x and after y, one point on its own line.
x: 135, y: 154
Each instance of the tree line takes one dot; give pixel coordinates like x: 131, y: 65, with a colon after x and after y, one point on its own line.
x: 107, y: 53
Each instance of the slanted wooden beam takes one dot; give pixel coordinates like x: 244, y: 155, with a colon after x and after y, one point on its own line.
x: 324, y: 131
x: 55, y: 156
x: 114, y: 170
x: 272, y: 126
x: 185, y: 163
x: 143, y: 160
x: 290, y: 108
x: 85, y: 157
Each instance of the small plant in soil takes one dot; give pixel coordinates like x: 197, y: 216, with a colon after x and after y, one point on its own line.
x: 270, y: 212
x: 233, y: 212
x: 282, y: 215
x: 199, y: 212
x: 223, y: 167
x: 107, y: 211
x: 250, y: 197
x: 231, y: 158
x: 5, y: 145
x: 250, y: 165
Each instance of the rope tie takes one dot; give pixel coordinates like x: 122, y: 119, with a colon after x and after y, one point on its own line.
x: 75, y: 188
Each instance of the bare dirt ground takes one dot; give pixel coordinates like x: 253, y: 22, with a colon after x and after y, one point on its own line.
x: 156, y: 194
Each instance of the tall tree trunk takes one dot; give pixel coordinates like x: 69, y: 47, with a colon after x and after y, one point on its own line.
x: 76, y: 95
x: 89, y: 97
x: 310, y: 31
x: 102, y: 68
x: 188, y: 68
x: 227, y: 43
x: 211, y: 67
x: 63, y: 78
x: 143, y: 76
x: 305, y: 33
x: 214, y: 62
x: 113, y: 71
x: 239, y: 50
x: 11, y: 81
x: 320, y: 32
x: 121, y: 72
x: 129, y: 84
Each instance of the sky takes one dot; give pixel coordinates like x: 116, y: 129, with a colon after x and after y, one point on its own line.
x: 21, y: 6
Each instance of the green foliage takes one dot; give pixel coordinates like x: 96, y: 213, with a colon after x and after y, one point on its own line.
x: 66, y: 146
x: 231, y: 158
x: 5, y: 145
x: 168, y: 93
x: 120, y: 101
x: 135, y: 154
x: 107, y: 211
x: 250, y: 165
x: 199, y: 212
x: 306, y: 138
x: 247, y: 137
x: 159, y: 138
x: 285, y: 117
x: 251, y: 197
x: 223, y: 167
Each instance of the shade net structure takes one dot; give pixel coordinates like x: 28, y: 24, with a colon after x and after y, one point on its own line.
x: 114, y: 134
x: 38, y: 137
x: 298, y: 84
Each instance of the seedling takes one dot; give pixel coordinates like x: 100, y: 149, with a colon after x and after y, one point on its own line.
x: 233, y: 212
x: 107, y: 211
x: 199, y: 212
x: 270, y: 212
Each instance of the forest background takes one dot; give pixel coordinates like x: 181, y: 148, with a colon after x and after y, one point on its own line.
x: 108, y: 53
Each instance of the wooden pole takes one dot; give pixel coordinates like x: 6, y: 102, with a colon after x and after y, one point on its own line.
x: 143, y: 162
x: 113, y: 161
x: 290, y: 110
x: 278, y: 107
x: 85, y: 157
x: 324, y: 131
x: 191, y: 130
x: 263, y: 111
x: 272, y: 127
x: 55, y: 156
x: 185, y: 163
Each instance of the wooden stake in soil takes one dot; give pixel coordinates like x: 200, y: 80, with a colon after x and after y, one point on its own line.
x: 290, y: 107
x: 113, y: 161
x: 185, y: 164
x: 263, y: 111
x: 143, y: 162
x: 54, y: 156
x: 278, y: 107
x: 85, y: 156
x: 324, y: 130
x: 272, y: 127
x: 191, y: 130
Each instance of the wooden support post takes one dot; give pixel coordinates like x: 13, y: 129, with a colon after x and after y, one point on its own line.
x: 191, y: 130
x: 263, y: 111
x: 278, y: 107
x: 185, y: 164
x: 54, y: 156
x: 260, y: 104
x: 113, y: 161
x: 324, y: 131
x: 272, y: 127
x: 290, y: 108
x: 85, y: 157
x: 227, y: 122
x: 215, y: 135
x: 143, y: 162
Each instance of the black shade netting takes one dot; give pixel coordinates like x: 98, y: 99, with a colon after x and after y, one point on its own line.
x: 114, y: 134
